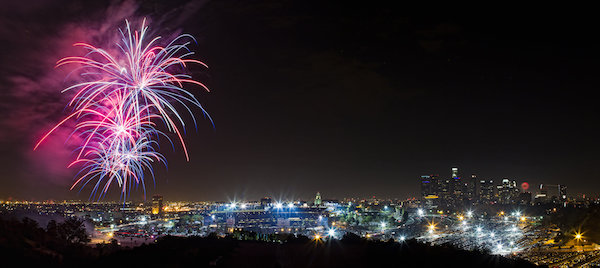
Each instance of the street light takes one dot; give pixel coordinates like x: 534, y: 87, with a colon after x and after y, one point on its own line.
x: 518, y: 213
x: 331, y: 232
x: 420, y: 212
x: 578, y: 237
x: 431, y: 227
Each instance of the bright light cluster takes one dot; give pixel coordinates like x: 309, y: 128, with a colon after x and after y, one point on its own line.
x: 122, y: 99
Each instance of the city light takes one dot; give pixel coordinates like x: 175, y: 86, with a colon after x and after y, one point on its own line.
x: 523, y: 218
x: 244, y: 206
x: 382, y: 224
x: 431, y: 227
x: 291, y: 205
x: 420, y: 212
x: 402, y: 238
x: 469, y: 214
x: 479, y: 229
x: 492, y: 234
x: 331, y: 232
x: 232, y: 205
x: 278, y: 205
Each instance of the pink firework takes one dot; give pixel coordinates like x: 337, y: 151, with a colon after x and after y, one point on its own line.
x: 118, y: 105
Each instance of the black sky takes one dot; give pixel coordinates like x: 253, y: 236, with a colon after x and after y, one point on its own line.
x: 360, y: 100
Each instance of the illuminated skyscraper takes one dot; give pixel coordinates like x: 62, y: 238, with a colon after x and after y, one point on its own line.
x: 318, y: 199
x: 486, y: 190
x: 157, y: 204
x: 471, y: 186
x: 454, y: 172
x: 426, y: 186
x: 562, y: 192
x: 430, y: 190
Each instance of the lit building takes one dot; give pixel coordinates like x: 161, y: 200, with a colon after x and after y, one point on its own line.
x: 157, y: 204
x: 562, y: 193
x: 445, y: 190
x: 486, y: 190
x: 508, y: 192
x: 429, y: 189
x: 471, y: 189
x: 318, y: 200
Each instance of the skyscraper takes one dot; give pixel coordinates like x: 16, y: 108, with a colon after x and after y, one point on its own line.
x: 426, y: 187
x: 486, y: 190
x: 562, y: 192
x: 454, y: 172
x: 471, y: 189
x: 430, y: 190
x: 318, y: 199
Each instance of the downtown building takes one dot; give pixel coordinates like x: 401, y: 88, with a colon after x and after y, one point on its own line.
x: 448, y: 192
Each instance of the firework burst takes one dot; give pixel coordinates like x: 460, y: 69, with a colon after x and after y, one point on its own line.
x: 118, y: 105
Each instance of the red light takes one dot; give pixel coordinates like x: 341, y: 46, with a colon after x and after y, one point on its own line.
x: 524, y: 186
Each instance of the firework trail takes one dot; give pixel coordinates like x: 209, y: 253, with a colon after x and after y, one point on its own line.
x: 120, y: 102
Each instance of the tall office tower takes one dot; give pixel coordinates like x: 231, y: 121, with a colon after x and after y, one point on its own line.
x: 157, y: 204
x: 426, y: 187
x: 318, y: 199
x: 541, y: 197
x: 514, y: 192
x: 507, y: 192
x: 429, y: 190
x: 471, y: 189
x: 457, y: 190
x: 562, y: 192
x: 454, y: 172
x: 486, y: 190
x: 445, y: 190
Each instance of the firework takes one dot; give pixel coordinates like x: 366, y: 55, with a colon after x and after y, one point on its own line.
x: 118, y: 105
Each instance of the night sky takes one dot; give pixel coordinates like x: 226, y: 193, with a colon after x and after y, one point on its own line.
x: 349, y: 100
